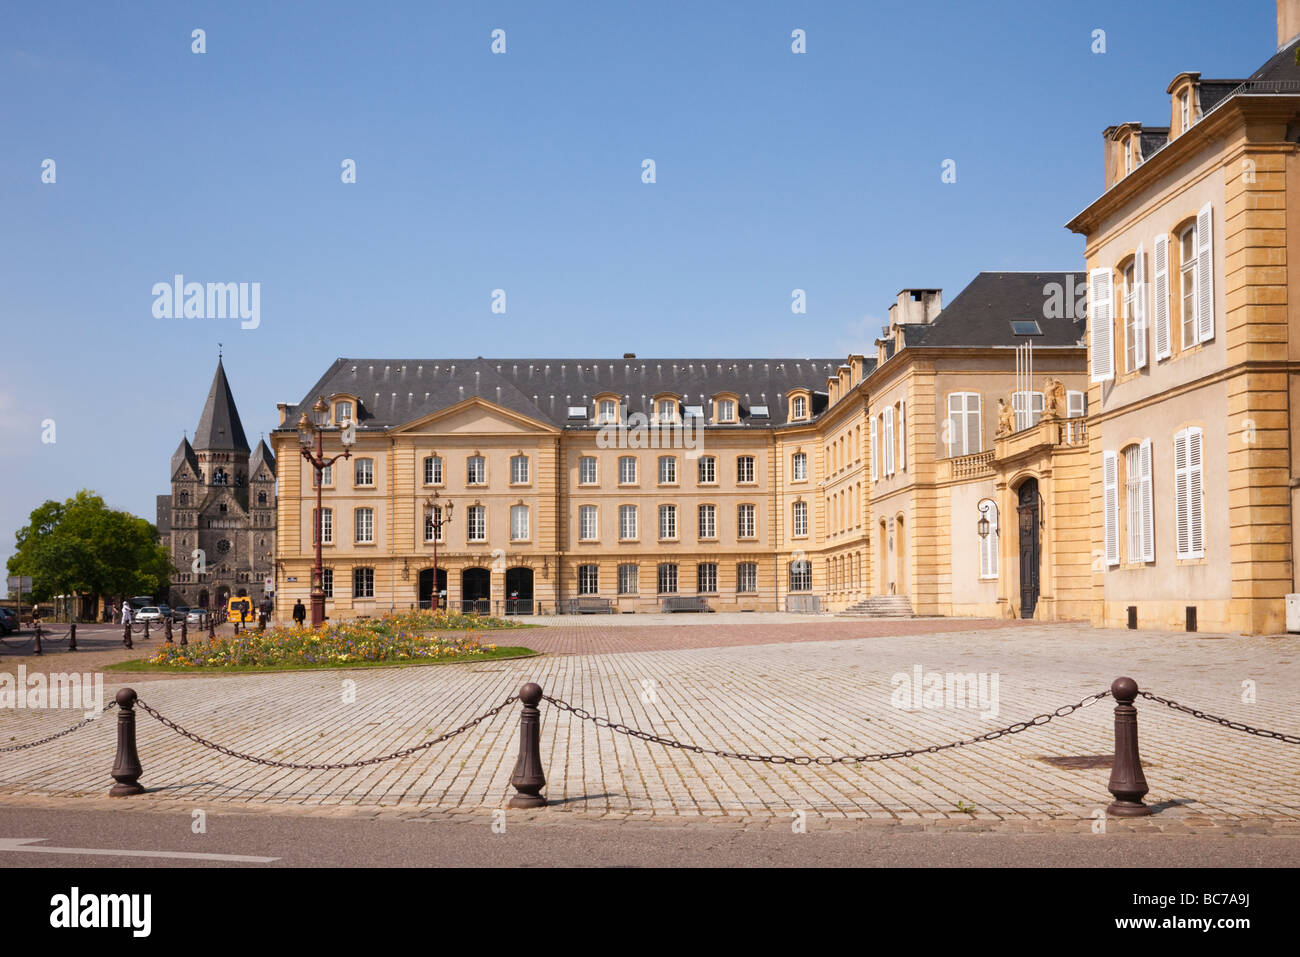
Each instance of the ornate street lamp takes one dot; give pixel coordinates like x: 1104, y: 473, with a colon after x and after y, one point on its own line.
x: 309, y: 429
x: 437, y: 516
x: 983, y: 524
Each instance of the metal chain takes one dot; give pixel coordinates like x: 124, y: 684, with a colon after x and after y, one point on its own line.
x: 323, y: 767
x: 29, y: 641
x: 75, y: 727
x: 803, y: 759
x: 1227, y: 723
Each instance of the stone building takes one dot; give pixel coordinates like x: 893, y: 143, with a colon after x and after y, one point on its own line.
x: 219, y: 520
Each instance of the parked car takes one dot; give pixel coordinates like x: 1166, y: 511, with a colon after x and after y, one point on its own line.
x: 148, y: 613
x: 178, y: 614
x: 8, y: 621
x: 196, y: 616
x: 165, y: 611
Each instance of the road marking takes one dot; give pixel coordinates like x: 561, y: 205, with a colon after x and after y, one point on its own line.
x: 21, y: 844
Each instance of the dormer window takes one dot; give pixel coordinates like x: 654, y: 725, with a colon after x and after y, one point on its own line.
x: 607, y: 412
x: 342, y: 412
x: 725, y: 410
x: 666, y: 410
x: 799, y: 407
x: 1185, y: 110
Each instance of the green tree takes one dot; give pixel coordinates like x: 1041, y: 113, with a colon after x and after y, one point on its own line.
x: 81, y: 546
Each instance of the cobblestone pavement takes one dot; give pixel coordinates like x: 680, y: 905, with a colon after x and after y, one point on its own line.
x: 792, y: 695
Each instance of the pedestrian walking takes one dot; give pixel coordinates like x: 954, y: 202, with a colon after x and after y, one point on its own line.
x: 299, y: 612
x: 126, y: 612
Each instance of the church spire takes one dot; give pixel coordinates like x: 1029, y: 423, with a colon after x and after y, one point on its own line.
x: 219, y: 425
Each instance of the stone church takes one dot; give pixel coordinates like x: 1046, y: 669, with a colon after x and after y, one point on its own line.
x: 219, y: 520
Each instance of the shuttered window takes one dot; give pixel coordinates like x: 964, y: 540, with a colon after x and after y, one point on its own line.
x: 1189, y: 505
x: 887, y: 439
x: 988, y: 509
x: 1028, y: 407
x: 964, y: 428
x: 875, y: 450
x: 1138, y: 502
x: 1160, y: 301
x: 1110, y: 503
x: 1138, y: 324
x: 1205, y: 274
x: 1148, y: 512
x: 1101, y: 331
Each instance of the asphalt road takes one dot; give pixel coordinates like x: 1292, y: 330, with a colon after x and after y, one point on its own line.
x: 349, y: 843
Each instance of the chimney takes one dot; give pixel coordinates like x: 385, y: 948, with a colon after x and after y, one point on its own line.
x: 1288, y: 21
x: 917, y: 306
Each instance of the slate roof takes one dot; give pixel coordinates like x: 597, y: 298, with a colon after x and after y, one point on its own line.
x: 397, y: 391
x: 184, y: 455
x: 219, y: 425
x: 261, y: 456
x: 981, y: 314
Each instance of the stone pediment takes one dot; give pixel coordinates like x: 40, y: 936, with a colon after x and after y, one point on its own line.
x: 476, y: 416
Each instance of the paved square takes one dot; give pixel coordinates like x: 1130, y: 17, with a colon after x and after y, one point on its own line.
x: 764, y: 684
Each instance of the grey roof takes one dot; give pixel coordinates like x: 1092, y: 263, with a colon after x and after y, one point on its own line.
x: 219, y: 425
x: 1152, y: 138
x: 1280, y: 66
x: 981, y: 314
x: 184, y: 455
x: 261, y: 456
x: 396, y: 391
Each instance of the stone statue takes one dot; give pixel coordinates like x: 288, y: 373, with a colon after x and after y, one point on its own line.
x: 1006, y: 418
x: 1054, y: 399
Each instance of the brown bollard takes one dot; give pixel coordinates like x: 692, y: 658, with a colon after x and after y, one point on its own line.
x: 126, y: 634
x: 167, y: 630
x: 37, y: 650
x: 126, y: 764
x: 212, y: 630
x: 528, y: 778
x: 72, y: 637
x: 1127, y: 782
x: 185, y: 633
x: 146, y: 630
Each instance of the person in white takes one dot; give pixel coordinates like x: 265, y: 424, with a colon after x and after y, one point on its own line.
x: 126, y: 613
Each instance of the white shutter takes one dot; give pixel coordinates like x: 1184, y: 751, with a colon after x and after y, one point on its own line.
x: 1110, y: 487
x: 955, y: 421
x: 1140, y: 308
x: 1182, y: 516
x: 1101, y: 332
x: 974, y: 424
x: 875, y: 450
x: 1195, y: 495
x: 1204, y: 274
x: 902, y: 434
x: 1148, y: 517
x: 887, y: 440
x: 1160, y: 253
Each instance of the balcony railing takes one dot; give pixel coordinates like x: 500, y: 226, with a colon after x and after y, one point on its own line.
x: 969, y: 466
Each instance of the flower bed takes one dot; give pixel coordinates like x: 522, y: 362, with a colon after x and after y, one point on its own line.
x: 410, y: 637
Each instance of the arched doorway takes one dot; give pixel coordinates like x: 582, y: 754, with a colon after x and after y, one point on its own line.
x: 519, y: 591
x: 1028, y: 510
x: 476, y: 591
x: 425, y: 593
x: 223, y: 600
x: 203, y: 598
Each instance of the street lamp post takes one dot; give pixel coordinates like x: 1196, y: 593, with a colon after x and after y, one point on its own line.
x: 438, y: 517
x: 307, y: 430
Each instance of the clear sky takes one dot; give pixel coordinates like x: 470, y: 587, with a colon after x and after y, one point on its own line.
x: 521, y: 172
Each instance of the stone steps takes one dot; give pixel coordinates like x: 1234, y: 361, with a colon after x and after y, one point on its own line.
x: 880, y: 606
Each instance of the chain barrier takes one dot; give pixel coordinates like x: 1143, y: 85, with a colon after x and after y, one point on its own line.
x: 76, y: 727
x: 804, y: 759
x: 405, y: 752
x: 46, y: 636
x: 1225, y: 722
x: 30, y: 641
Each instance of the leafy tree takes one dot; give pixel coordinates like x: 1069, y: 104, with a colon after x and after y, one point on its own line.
x: 81, y: 546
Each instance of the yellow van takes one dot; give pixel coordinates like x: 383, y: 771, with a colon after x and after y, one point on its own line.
x: 235, y: 605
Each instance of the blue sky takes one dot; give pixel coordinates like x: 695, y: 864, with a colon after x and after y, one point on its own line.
x: 521, y: 172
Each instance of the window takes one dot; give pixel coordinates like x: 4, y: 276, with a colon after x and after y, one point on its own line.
x: 964, y: 428
x: 365, y: 472
x: 342, y: 412
x: 627, y: 470
x: 747, y: 577
x: 607, y: 413
x: 365, y: 526
x: 1189, y: 504
x: 327, y: 581
x: 1138, y: 499
x: 801, y: 576
x: 726, y: 410
x: 627, y: 579
x: 667, y: 410
x: 433, y: 524
x: 800, y: 519
x: 586, y: 523
x: 887, y: 440
x: 1101, y: 332
x: 988, y: 511
x: 902, y: 433
x: 706, y: 578
x: 261, y: 498
x: 476, y: 523
x: 588, y: 579
x: 518, y: 470
x: 518, y: 523
x: 432, y: 470
x: 708, y: 470
x: 667, y: 470
x: 1184, y: 111
x: 475, y: 470
x: 1110, y: 505
x: 1196, y: 275
x: 1160, y: 294
x: 363, y: 583
x: 1187, y: 284
x: 708, y: 521
x: 1026, y: 327
x: 799, y: 407
x: 326, y: 476
x: 667, y: 579
x: 326, y: 525
x: 627, y: 522
x: 1135, y: 333
x: 1076, y: 404
x: 799, y: 466
x: 587, y: 470
x: 745, y: 521
x: 667, y: 521
x: 1028, y: 408
x: 745, y: 469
